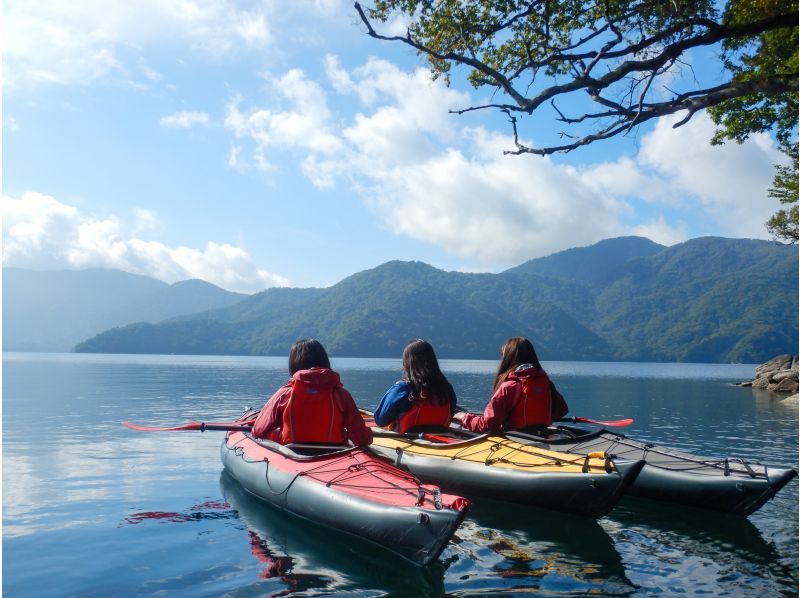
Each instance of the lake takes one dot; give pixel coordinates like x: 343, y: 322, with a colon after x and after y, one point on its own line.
x: 91, y: 508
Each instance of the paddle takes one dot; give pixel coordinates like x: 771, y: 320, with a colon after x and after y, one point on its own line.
x: 618, y: 423
x: 201, y: 426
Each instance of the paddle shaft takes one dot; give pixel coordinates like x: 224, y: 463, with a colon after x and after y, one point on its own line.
x: 618, y: 423
x: 193, y: 426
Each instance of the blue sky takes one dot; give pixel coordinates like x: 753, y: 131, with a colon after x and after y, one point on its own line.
x: 257, y: 144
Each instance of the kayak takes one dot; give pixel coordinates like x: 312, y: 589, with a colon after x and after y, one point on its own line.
x: 348, y: 489
x: 498, y: 467
x: 730, y: 485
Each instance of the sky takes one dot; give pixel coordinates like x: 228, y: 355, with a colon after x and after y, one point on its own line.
x: 259, y: 144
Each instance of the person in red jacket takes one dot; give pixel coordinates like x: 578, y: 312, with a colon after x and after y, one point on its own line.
x: 313, y: 407
x: 523, y: 394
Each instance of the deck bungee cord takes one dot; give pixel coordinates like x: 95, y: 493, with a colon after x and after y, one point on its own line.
x: 674, y: 458
x: 472, y: 448
x: 345, y: 471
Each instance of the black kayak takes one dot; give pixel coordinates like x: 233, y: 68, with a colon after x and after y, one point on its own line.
x: 730, y: 485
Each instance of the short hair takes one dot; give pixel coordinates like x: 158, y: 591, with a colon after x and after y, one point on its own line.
x: 306, y: 354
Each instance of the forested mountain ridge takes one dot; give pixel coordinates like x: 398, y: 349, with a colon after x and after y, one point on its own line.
x: 705, y: 300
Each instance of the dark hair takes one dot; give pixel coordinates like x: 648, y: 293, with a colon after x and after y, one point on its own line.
x: 421, y: 371
x: 306, y: 354
x: 515, y: 352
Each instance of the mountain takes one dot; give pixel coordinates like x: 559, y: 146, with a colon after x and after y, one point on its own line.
x: 705, y: 300
x: 593, y: 263
x: 54, y: 310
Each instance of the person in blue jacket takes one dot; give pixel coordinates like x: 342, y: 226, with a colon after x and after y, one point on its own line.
x: 424, y: 397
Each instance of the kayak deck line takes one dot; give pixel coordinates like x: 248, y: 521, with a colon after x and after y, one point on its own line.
x: 686, y: 461
x: 501, y: 452
x: 727, y: 484
x: 495, y: 466
x: 350, y: 490
x: 343, y: 469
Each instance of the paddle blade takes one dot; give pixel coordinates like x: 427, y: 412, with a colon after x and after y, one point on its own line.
x: 201, y: 426
x: 618, y: 423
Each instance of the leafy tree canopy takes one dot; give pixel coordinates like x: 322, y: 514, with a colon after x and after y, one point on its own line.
x: 784, y: 223
x: 630, y: 58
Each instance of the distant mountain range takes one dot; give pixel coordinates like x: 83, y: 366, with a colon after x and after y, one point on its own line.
x: 54, y: 310
x: 706, y: 300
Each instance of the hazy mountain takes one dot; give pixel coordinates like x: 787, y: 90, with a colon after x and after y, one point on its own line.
x: 53, y: 310
x: 709, y: 299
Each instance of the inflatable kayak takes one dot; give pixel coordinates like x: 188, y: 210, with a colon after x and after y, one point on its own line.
x: 498, y: 467
x: 348, y: 489
x: 730, y: 485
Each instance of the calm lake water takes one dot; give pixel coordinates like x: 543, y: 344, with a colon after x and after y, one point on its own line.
x: 91, y: 508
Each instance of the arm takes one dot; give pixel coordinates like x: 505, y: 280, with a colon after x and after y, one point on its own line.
x: 357, y: 430
x: 496, y: 412
x: 271, y: 414
x: 393, y: 404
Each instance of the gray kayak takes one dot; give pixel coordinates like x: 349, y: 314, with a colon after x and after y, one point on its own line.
x: 497, y: 467
x: 726, y: 484
x: 350, y: 490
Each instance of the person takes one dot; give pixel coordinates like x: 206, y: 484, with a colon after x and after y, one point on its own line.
x: 313, y: 407
x: 523, y: 394
x: 424, y: 396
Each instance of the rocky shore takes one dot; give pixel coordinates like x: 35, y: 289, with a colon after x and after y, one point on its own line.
x: 777, y: 375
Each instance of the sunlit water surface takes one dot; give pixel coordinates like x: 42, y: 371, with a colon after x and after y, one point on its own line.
x: 91, y: 508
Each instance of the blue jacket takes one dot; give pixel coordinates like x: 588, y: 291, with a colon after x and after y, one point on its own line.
x: 395, y: 403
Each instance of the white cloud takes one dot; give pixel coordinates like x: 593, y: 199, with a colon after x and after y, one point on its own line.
x: 429, y: 177
x: 304, y: 126
x: 184, y: 120
x: 146, y: 221
x: 660, y: 231
x: 10, y: 123
x: 53, y: 41
x: 41, y: 232
x: 730, y: 181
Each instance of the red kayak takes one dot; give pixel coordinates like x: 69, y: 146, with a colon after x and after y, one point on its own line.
x: 348, y: 489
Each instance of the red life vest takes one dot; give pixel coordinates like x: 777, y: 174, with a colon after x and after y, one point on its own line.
x: 533, y: 406
x: 423, y: 412
x: 314, y: 413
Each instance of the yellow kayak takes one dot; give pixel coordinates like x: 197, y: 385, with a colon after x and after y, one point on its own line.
x: 495, y: 466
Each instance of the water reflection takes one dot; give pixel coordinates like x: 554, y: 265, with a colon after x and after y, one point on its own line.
x: 696, y: 546
x: 557, y: 548
x: 306, y: 555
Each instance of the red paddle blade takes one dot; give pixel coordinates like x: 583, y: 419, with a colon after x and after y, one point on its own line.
x: 619, y: 423
x: 201, y: 426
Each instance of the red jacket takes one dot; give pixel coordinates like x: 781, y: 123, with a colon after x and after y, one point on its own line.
x: 277, y: 413
x: 498, y: 414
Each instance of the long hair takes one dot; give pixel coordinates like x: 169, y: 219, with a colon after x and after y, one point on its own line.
x: 306, y: 354
x: 421, y: 371
x: 515, y: 352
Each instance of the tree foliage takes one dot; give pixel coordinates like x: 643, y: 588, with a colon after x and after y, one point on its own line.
x: 783, y: 224
x: 629, y: 58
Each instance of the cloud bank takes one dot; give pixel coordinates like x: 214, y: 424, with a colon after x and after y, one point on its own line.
x: 41, y: 232
x: 56, y: 42
x: 427, y: 175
